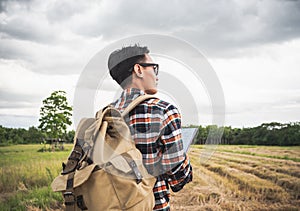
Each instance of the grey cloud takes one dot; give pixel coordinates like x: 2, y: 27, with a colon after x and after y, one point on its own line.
x: 41, y: 58
x: 18, y: 121
x: 28, y: 29
x: 240, y: 27
x: 63, y: 10
x: 4, y: 3
x: 11, y: 104
x: 216, y: 27
x: 212, y: 25
x: 11, y: 50
x: 221, y: 28
x: 10, y: 96
x: 23, y: 21
x: 275, y: 105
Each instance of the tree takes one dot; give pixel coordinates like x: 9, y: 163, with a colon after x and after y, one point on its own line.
x: 2, y: 135
x: 55, y: 115
x: 227, y: 135
x: 33, y: 135
x: 70, y: 136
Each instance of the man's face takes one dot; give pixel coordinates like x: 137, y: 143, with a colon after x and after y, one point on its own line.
x: 150, y: 79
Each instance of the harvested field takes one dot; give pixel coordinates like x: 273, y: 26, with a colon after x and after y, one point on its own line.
x: 241, y: 178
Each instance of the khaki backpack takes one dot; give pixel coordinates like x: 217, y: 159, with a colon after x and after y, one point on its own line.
x: 105, y: 170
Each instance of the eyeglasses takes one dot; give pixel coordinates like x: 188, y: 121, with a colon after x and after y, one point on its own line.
x: 155, y: 66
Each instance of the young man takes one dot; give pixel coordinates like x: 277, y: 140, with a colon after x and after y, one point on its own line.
x: 155, y: 125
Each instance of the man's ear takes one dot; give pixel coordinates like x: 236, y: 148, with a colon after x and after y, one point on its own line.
x: 137, y: 70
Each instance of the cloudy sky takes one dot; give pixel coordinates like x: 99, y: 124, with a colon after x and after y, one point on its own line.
x: 253, y: 47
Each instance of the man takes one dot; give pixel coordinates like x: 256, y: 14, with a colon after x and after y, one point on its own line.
x: 155, y: 125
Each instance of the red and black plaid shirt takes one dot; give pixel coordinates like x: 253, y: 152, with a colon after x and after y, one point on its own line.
x: 155, y: 126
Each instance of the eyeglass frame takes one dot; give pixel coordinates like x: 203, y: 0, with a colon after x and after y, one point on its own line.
x: 154, y: 65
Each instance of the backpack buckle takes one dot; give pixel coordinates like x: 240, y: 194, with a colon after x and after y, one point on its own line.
x: 75, y: 155
x: 70, y: 198
x: 136, y: 171
x: 73, y: 161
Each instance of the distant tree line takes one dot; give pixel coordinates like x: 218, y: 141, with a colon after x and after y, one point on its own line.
x: 31, y: 135
x: 273, y: 133
x: 266, y: 134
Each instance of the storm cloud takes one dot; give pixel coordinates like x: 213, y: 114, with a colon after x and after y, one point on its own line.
x: 216, y: 27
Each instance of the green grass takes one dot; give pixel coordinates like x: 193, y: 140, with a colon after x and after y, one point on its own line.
x: 26, y: 175
x: 41, y: 198
x: 10, y: 155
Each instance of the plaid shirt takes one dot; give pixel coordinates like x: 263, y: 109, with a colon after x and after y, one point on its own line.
x: 155, y: 126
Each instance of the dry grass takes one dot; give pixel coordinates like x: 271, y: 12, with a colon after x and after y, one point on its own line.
x: 240, y: 181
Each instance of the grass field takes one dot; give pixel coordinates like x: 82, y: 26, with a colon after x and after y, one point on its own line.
x: 234, y: 178
x: 25, y: 177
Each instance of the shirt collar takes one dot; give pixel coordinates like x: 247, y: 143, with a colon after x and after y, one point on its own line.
x: 132, y: 93
x: 127, y: 96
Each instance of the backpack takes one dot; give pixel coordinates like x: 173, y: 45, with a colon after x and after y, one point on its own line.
x: 105, y: 170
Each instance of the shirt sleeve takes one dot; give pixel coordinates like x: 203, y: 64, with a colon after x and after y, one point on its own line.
x: 174, y: 162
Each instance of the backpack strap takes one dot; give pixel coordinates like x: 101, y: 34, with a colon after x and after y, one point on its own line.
x: 136, y: 102
x: 131, y: 106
